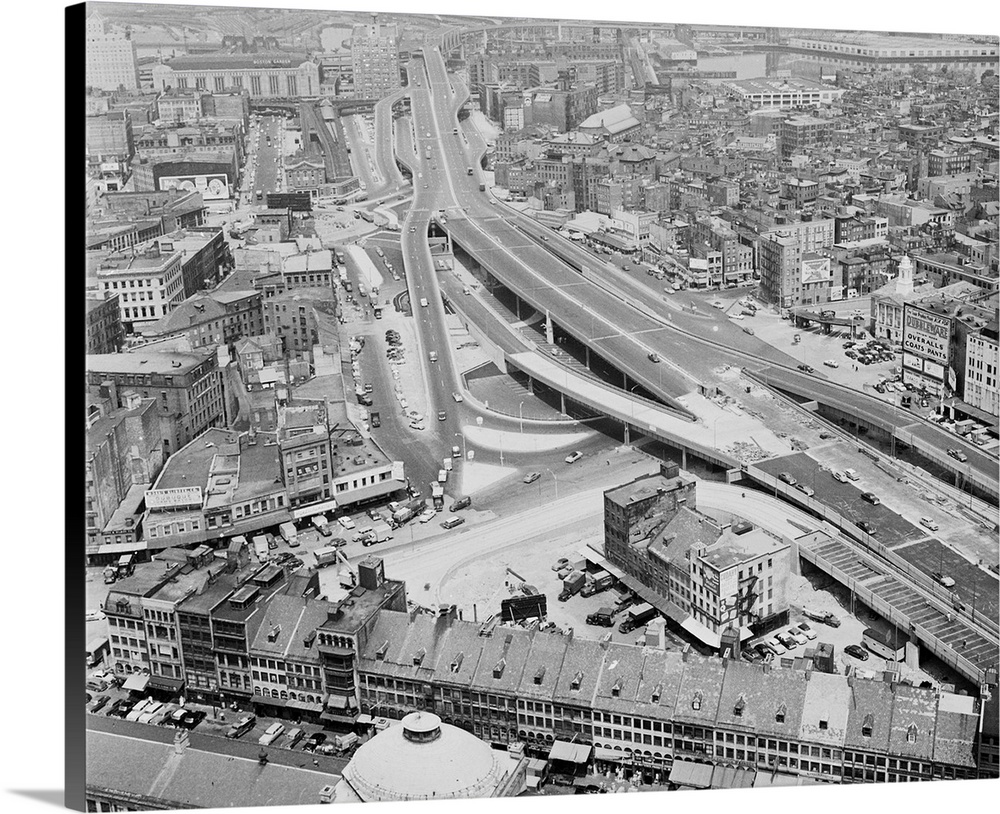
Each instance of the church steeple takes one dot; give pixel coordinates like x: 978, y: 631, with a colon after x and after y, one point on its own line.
x: 904, y: 281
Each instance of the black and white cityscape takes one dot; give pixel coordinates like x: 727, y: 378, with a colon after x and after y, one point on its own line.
x: 493, y: 407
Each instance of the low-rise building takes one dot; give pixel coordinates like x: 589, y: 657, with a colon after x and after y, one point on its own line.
x: 105, y: 332
x: 982, y: 370
x: 209, y: 319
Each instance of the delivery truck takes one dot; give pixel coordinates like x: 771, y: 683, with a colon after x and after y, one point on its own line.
x: 600, y: 581
x: 602, y: 617
x: 319, y: 523
x: 637, y: 616
x: 442, y: 476
x: 402, y: 515
x: 260, y: 548
x: 289, y: 534
x: 825, y: 617
x: 378, y: 533
x: 572, y: 584
x: 437, y: 496
x: 326, y: 556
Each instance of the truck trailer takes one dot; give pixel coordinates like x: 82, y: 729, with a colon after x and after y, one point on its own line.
x: 636, y: 616
x: 599, y: 582
x: 572, y: 584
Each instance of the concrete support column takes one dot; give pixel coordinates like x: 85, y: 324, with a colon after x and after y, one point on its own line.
x: 531, y: 385
x: 626, y: 439
x: 517, y: 305
x: 548, y: 328
x: 562, y: 403
x: 684, y: 458
x: 586, y: 349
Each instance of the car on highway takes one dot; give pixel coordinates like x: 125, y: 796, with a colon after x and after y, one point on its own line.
x: 654, y: 357
x: 857, y: 651
x: 459, y: 398
x: 423, y: 302
x: 958, y: 455
x: 805, y: 368
x: 442, y: 415
x: 943, y: 579
x: 531, y: 477
x: 346, y: 522
x: 432, y: 356
x: 808, y: 491
x: 839, y: 476
x: 871, y: 497
x: 785, y: 477
x: 452, y: 522
x: 866, y: 527
x: 573, y: 457
x: 929, y: 523
x: 831, y: 363
x: 748, y: 330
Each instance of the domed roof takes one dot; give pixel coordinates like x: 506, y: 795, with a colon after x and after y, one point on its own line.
x: 423, y: 758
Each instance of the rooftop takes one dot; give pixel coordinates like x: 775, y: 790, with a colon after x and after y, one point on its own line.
x: 731, y: 549
x: 148, y: 362
x: 194, y: 778
x: 233, y: 61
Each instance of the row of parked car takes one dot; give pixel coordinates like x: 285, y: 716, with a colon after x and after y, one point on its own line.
x: 321, y: 743
x: 147, y: 711
x: 781, y: 642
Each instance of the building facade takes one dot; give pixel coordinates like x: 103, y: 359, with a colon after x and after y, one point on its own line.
x: 265, y: 74
x: 111, y: 61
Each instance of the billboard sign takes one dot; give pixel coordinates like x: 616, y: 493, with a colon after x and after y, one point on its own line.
x: 913, y: 361
x: 934, y: 370
x: 173, y: 498
x: 211, y: 187
x: 926, y: 333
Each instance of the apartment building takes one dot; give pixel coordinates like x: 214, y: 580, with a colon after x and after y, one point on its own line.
x: 187, y: 388
x: 375, y: 60
x: 982, y: 369
x: 111, y: 62
x: 105, y: 332
x: 210, y: 319
x: 148, y: 283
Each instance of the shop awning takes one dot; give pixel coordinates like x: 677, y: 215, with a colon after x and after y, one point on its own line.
x: 314, y: 509
x: 570, y: 752
x: 136, y: 682
x: 307, y: 706
x: 336, y: 702
x: 693, y: 775
x: 604, y: 753
x: 365, y: 720
x: 731, y: 777
x: 164, y: 683
x: 337, y: 719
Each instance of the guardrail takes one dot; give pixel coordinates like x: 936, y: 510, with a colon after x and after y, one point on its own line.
x: 881, y: 606
x: 862, y: 538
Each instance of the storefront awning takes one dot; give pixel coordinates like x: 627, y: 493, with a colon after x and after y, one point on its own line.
x: 307, y: 706
x: 164, y: 683
x: 314, y: 509
x: 693, y: 775
x: 604, y: 753
x: 336, y: 702
x: 136, y: 682
x: 570, y: 752
x: 337, y: 719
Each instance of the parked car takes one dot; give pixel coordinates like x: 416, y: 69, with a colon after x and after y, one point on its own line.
x: 241, y: 727
x: 871, y: 497
x: 786, y: 477
x: 807, y: 631
x: 346, y: 522
x: 831, y: 363
x: 840, y: 476
x: 776, y: 646
x: 573, y: 457
x: 99, y: 703
x: 461, y: 503
x: 315, y: 740
x: 748, y: 330
x: 452, y: 522
x: 559, y: 564
x: 751, y: 655
x: 459, y: 398
x: 866, y: 527
x: 797, y: 635
x: 787, y: 640
x: 292, y: 737
x: 271, y: 734
x: 531, y: 477
x: 654, y: 357
x: 929, y: 523
x: 808, y: 491
x: 857, y: 651
x: 427, y: 516
x: 944, y: 580
x: 805, y: 368
x: 765, y: 650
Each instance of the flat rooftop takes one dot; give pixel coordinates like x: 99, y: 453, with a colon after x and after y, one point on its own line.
x: 732, y: 549
x: 642, y: 488
x: 146, y: 362
x: 764, y: 84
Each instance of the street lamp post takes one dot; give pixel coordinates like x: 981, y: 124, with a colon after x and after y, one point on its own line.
x: 555, y: 481
x: 464, y: 453
x: 520, y: 415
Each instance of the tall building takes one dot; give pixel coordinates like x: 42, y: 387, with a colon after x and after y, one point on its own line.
x: 802, y: 134
x: 375, y: 60
x: 982, y: 370
x: 111, y: 62
x: 187, y: 388
x: 780, y: 266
